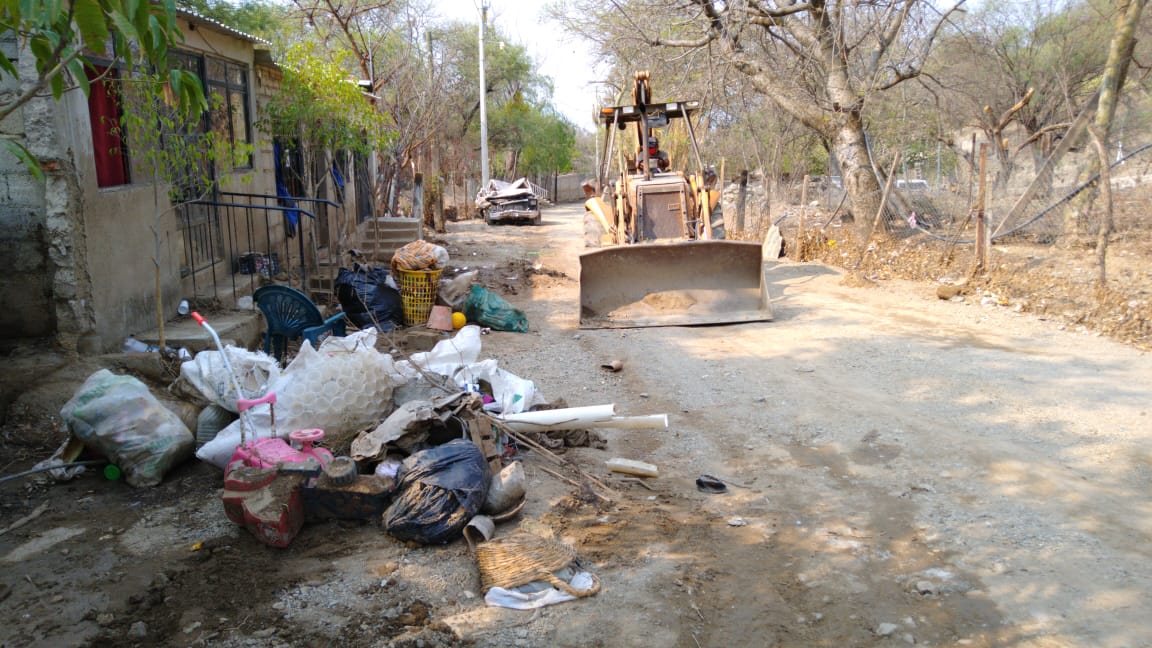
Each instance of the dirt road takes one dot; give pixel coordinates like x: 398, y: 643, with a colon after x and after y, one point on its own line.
x: 904, y: 471
x: 944, y: 473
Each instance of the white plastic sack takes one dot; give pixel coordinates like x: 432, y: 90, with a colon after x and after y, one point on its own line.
x: 512, y: 393
x: 118, y: 417
x: 341, y: 388
x: 208, y: 374
x: 447, y: 356
x: 536, y: 594
x: 458, y: 358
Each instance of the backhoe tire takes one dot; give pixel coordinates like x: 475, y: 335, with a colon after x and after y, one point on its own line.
x: 593, y: 230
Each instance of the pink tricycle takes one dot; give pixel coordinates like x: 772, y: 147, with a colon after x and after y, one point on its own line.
x: 272, y: 451
x: 266, y: 453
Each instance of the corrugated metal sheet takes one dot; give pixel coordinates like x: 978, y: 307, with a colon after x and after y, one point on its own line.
x: 193, y: 16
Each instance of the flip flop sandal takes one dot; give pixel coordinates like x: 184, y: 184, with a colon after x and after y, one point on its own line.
x: 709, y: 484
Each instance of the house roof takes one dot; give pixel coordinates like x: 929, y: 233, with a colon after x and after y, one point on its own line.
x: 198, y: 18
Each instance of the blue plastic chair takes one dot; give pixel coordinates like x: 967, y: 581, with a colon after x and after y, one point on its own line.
x: 292, y: 316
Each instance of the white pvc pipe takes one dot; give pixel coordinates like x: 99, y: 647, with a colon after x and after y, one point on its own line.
x: 651, y: 421
x: 575, y: 418
x: 566, y: 415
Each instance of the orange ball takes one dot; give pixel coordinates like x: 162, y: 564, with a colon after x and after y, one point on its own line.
x: 458, y: 321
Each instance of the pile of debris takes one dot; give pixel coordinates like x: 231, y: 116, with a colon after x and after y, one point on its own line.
x: 412, y: 291
x: 429, y: 447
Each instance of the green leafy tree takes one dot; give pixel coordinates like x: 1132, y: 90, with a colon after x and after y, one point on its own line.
x: 320, y: 109
x: 523, y: 129
x: 549, y: 144
x: 385, y: 42
x: 58, y: 33
x: 257, y: 17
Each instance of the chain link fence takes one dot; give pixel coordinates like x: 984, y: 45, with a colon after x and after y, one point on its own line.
x: 1044, y: 206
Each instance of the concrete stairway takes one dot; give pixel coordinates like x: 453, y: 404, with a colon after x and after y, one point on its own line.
x: 376, y: 240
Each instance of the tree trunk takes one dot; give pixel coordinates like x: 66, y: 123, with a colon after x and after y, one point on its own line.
x: 741, y: 201
x: 418, y: 210
x: 856, y: 173
x: 1100, y: 141
x: 1111, y: 85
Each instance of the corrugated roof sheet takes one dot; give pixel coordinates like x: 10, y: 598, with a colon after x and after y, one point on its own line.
x: 189, y: 14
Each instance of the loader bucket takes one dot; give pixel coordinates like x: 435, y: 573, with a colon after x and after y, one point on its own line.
x: 678, y: 284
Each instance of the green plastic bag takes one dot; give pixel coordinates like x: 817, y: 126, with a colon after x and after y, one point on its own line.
x: 486, y: 308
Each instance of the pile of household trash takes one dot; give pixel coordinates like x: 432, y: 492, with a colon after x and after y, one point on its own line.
x: 429, y: 447
x: 412, y: 291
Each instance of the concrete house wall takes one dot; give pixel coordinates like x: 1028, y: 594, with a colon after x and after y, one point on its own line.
x: 81, y: 258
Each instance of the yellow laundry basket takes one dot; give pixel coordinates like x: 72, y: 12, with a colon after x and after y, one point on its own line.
x: 418, y: 292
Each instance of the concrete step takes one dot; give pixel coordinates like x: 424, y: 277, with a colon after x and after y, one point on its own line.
x: 241, y: 328
x: 379, y: 239
x: 326, y: 284
x: 390, y: 229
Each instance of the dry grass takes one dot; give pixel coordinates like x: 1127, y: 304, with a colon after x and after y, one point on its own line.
x: 1049, y: 281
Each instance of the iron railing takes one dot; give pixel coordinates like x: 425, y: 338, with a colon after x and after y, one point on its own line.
x: 244, y: 239
x: 327, y: 234
x: 240, y: 244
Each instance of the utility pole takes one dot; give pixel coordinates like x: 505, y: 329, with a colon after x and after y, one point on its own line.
x: 483, y: 100
x: 438, y: 207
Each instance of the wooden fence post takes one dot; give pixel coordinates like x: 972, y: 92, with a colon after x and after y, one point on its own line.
x: 981, y: 224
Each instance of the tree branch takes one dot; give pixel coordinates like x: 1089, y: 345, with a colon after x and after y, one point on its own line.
x: 1041, y: 133
x: 42, y: 80
x: 892, y: 28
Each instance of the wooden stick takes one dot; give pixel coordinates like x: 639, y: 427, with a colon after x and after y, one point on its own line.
x: 574, y: 483
x: 39, y: 510
x: 552, y: 456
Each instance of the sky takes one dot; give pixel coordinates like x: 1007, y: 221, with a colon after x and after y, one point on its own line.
x: 565, y: 59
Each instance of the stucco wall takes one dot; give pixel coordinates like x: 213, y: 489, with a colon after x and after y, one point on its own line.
x: 122, y: 249
x: 80, y: 260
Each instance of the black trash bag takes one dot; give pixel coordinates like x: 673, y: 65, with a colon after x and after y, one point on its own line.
x: 367, y: 299
x: 437, y: 492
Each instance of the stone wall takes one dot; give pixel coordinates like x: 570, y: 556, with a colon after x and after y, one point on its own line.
x: 38, y: 254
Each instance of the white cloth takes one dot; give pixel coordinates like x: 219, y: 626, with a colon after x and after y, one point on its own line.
x: 518, y: 599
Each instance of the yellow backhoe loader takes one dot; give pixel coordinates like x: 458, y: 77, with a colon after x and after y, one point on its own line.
x: 663, y: 260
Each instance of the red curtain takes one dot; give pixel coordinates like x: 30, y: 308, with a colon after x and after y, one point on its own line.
x: 104, y: 111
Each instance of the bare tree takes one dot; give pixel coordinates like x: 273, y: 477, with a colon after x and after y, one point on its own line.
x: 819, y: 61
x: 1019, y: 72
x: 1111, y: 85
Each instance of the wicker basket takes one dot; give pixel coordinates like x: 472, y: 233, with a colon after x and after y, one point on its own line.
x: 525, y: 558
x: 418, y: 291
